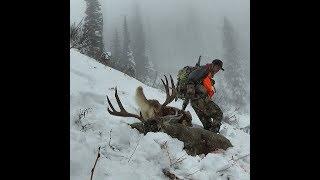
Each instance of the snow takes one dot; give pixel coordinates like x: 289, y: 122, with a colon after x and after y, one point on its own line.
x: 127, y: 154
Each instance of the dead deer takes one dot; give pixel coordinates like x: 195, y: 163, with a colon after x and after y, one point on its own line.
x: 151, y: 108
x: 174, y: 122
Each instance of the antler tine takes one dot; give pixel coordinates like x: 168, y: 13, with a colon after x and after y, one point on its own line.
x: 166, y: 80
x: 118, y: 101
x: 173, y: 87
x: 122, y: 112
x: 166, y: 85
x: 109, y: 102
x: 169, y: 97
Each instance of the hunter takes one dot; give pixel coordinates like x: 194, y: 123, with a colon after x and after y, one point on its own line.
x: 200, y: 91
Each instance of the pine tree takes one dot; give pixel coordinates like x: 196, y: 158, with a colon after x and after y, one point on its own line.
x: 126, y: 41
x: 234, y: 86
x: 127, y: 54
x: 192, y: 29
x: 116, y: 52
x: 130, y: 68
x: 78, y: 38
x: 139, y: 47
x: 93, y: 25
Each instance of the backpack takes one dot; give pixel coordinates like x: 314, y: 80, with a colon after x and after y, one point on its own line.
x: 182, y: 79
x: 183, y: 75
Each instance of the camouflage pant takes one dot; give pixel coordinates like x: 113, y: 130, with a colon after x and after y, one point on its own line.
x: 207, y: 110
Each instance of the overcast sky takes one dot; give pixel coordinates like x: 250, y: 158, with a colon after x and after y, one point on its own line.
x: 177, y: 31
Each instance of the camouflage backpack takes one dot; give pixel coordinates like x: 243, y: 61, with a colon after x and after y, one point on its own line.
x: 183, y: 80
x: 183, y: 75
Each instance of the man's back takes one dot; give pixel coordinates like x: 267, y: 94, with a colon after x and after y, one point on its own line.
x: 199, y: 74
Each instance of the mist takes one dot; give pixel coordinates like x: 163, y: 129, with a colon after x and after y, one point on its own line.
x: 177, y: 31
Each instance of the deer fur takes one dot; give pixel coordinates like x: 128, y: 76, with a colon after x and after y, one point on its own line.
x: 149, y: 108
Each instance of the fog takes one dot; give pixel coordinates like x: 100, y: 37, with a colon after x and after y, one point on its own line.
x: 177, y: 31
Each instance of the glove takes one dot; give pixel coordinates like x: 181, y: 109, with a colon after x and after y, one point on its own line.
x: 211, y: 94
x: 207, y: 99
x: 212, y: 82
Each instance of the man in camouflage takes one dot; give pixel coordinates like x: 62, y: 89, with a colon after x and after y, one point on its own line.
x: 200, y: 91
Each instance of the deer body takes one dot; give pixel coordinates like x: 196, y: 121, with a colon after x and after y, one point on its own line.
x: 156, y: 117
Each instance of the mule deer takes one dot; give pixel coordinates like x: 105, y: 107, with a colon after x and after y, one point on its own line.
x: 175, y: 122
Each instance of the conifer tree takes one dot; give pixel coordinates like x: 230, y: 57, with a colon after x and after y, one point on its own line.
x: 93, y: 25
x: 139, y: 47
x: 234, y: 84
x: 116, y: 52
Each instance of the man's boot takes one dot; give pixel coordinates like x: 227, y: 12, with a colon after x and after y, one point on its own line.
x: 216, y: 114
x: 215, y: 127
x: 209, y: 125
x: 206, y: 122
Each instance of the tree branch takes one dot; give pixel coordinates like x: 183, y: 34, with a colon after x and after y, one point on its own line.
x: 194, y: 172
x: 180, y: 159
x: 165, y: 147
x: 233, y: 163
x: 170, y: 175
x: 113, y: 148
x: 134, y: 149
x: 95, y: 163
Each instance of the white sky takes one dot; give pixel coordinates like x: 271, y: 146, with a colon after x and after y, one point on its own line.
x: 164, y: 21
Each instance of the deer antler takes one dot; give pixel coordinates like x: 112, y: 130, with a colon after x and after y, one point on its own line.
x: 171, y: 97
x: 122, y: 112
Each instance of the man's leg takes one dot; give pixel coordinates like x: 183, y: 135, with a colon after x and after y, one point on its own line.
x: 199, y: 107
x: 216, y: 114
x: 207, y: 110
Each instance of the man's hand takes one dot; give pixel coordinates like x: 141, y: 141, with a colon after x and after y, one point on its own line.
x: 208, y: 98
x: 212, y: 82
x: 210, y: 94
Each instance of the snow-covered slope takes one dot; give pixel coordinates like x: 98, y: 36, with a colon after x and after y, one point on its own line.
x: 126, y: 154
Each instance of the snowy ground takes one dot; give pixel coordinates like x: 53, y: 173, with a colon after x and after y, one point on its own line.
x: 126, y: 154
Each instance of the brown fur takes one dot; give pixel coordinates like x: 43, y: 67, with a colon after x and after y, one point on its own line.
x: 151, y: 108
x: 148, y: 108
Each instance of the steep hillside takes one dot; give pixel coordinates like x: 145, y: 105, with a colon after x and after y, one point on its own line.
x: 126, y: 154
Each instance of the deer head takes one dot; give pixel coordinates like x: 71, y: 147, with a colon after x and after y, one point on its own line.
x: 122, y: 112
x: 161, y: 111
